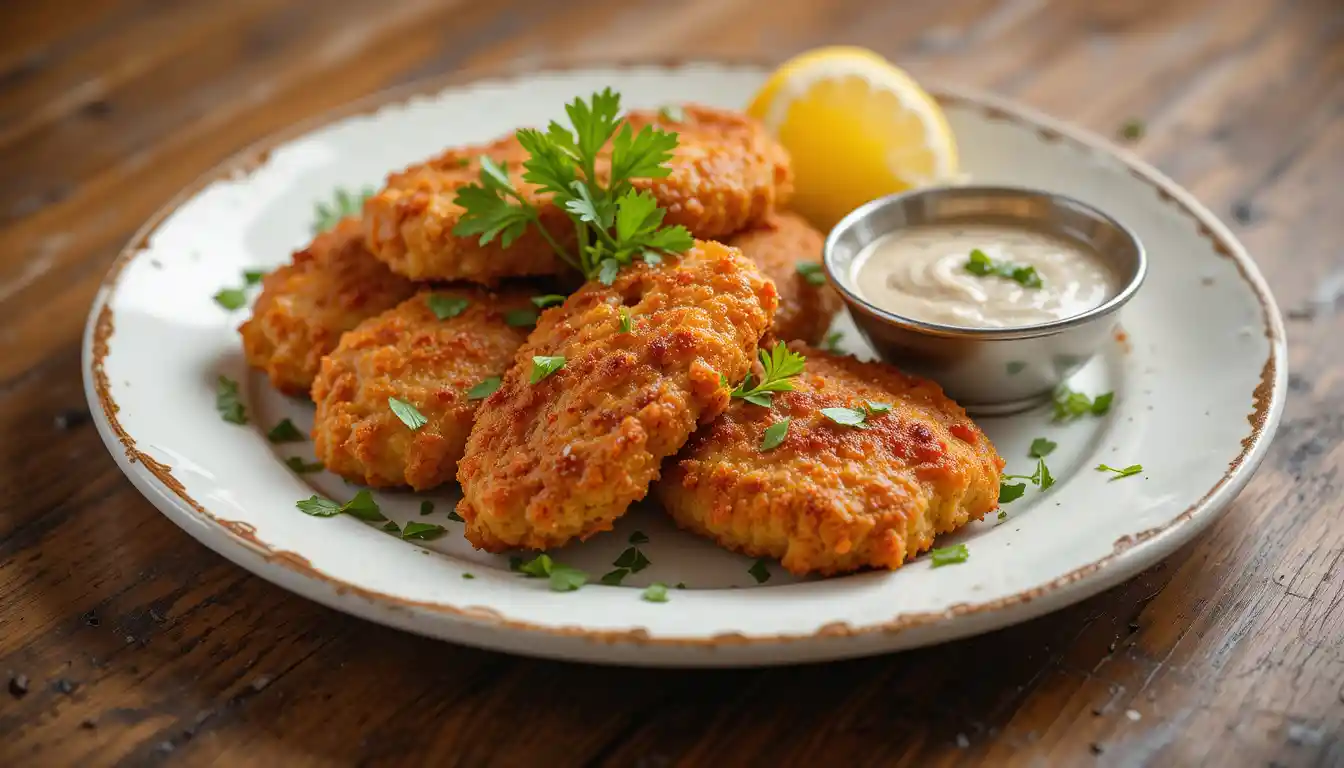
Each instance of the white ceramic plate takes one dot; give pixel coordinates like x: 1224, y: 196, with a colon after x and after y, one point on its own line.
x: 1199, y: 385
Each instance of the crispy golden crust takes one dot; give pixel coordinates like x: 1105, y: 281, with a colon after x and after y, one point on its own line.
x: 410, y: 354
x: 330, y: 287
x: 833, y: 498
x: 727, y: 174
x: 778, y: 245
x: 563, y: 458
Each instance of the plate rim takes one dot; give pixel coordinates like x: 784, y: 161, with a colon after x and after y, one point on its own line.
x: 295, y: 573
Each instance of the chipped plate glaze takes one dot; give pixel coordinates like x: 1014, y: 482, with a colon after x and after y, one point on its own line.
x: 1199, y: 378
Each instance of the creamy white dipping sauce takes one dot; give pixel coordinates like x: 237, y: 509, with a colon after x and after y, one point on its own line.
x: 921, y: 273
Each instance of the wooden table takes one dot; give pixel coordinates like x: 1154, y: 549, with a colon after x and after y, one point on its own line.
x: 138, y: 645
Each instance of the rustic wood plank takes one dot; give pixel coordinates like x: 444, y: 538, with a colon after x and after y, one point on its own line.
x: 1227, y: 652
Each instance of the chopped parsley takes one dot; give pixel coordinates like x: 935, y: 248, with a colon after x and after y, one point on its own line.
x: 854, y: 417
x: 422, y: 531
x: 1132, y: 130
x: 760, y: 571
x: 1003, y: 515
x: 625, y: 319
x: 775, y: 434
x: 408, y: 413
x: 452, y: 515
x: 253, y: 276
x: 343, y: 204
x: 391, y: 527
x: 521, y: 318
x: 638, y: 537
x: 549, y: 300
x: 301, y: 467
x: 484, y: 388
x: 980, y: 264
x: 285, y: 432
x: 228, y: 403
x: 231, y: 298
x: 615, y: 222
x: 1012, y: 492
x: 1132, y: 469
x: 1071, y: 405
x: 875, y: 407
x: 567, y: 579
x: 538, y: 567
x: 426, y: 508
x: 949, y: 555
x: 362, y: 506
x: 681, y: 585
x: 318, y: 507
x: 672, y: 113
x: 543, y: 366
x: 1041, y: 447
x: 614, y: 578
x: 779, y: 365
x: 655, y: 593
x: 444, y: 306
x: 812, y: 272
x: 468, y: 576
x: 832, y: 342
x: 633, y: 559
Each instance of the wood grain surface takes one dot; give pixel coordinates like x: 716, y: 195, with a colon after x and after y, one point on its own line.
x: 125, y: 642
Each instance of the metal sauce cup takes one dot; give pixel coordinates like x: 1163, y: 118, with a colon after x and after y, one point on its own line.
x: 987, y: 370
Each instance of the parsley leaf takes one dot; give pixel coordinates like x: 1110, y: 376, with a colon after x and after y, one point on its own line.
x: 409, y: 414
x: 521, y: 318
x: 343, y: 204
x: 468, y: 576
x: 319, y: 507
x: 228, y: 403
x: 775, y: 434
x: 253, y: 276
x: 363, y: 507
x: 1070, y: 405
x: 445, y: 307
x: 876, y: 407
x: 949, y: 555
x: 1132, y: 130
x: 543, y: 366
x: 639, y: 537
x: 614, y: 578
x: 607, y: 271
x: 1041, y: 447
x: 285, y: 432
x: 426, y: 507
x: 760, y: 571
x: 779, y: 365
x: 655, y: 592
x: 625, y: 319
x: 1009, y: 493
x: 849, y: 417
x: 538, y: 567
x: 832, y: 342
x: 231, y: 298
x: 485, y: 388
x: 982, y: 265
x: 633, y: 559
x: 452, y: 515
x: 300, y: 467
x: 422, y: 531
x: 812, y: 272
x: 1132, y: 469
x: 567, y: 579
x: 549, y: 300
x: 391, y: 527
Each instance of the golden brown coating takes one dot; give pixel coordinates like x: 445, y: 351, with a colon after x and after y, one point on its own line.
x: 564, y: 457
x: 778, y: 245
x: 330, y: 287
x: 834, y: 498
x: 727, y: 173
x: 432, y: 364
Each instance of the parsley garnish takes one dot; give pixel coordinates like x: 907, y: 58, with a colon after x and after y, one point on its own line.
x: 362, y: 506
x: 779, y: 365
x: 485, y: 388
x: 638, y: 537
x: 1041, y: 447
x: 537, y: 567
x: 625, y: 319
x: 231, y: 298
x: 854, y: 417
x: 655, y: 592
x: 422, y: 531
x: 468, y: 576
x: 391, y: 527
x: 521, y: 318
x: 614, y: 578
x: 1070, y: 405
x: 567, y: 579
x: 760, y: 571
x: 1002, y: 514
x: 949, y: 555
x: 445, y: 307
x: 681, y: 585
x: 832, y: 342
x: 775, y: 434
x: 633, y: 559
x: 408, y: 413
x: 426, y: 507
x: 227, y: 402
x: 285, y: 432
x: 982, y: 265
x: 1132, y: 469
x: 812, y: 272
x: 543, y: 366
x: 343, y: 204
x: 452, y: 515
x: 549, y: 300
x: 1132, y: 130
x: 299, y: 466
x: 318, y: 507
x: 1008, y: 493
x: 1041, y: 478
x: 614, y: 223
x: 253, y: 276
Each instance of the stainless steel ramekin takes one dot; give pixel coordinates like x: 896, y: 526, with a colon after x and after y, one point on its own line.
x: 987, y: 370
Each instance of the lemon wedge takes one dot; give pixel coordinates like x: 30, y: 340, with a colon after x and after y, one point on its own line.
x: 857, y: 127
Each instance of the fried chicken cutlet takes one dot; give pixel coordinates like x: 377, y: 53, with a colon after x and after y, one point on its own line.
x: 304, y: 307
x: 726, y: 174
x: 778, y: 245
x: 833, y: 498
x: 433, y: 365
x: 559, y: 456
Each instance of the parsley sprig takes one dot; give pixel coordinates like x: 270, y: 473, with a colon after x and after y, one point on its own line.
x: 1070, y: 405
x: 778, y: 366
x: 614, y: 222
x: 982, y: 265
